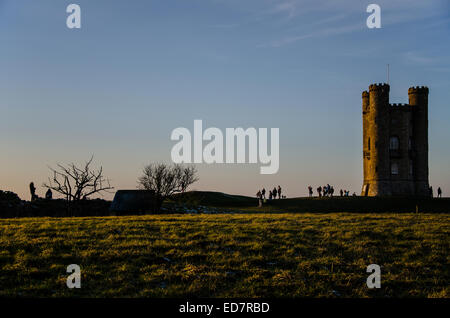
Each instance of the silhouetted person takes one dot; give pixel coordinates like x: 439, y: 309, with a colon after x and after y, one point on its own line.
x: 258, y: 194
x: 274, y: 192
x: 310, y: 190
x: 49, y: 194
x: 270, y: 195
x: 279, y: 192
x: 439, y: 193
x: 319, y: 191
x: 33, y: 191
x: 431, y: 192
x: 263, y: 193
x: 342, y: 193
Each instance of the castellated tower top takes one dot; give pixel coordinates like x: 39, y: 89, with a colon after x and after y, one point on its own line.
x: 418, y: 90
x: 399, y: 105
x: 379, y: 87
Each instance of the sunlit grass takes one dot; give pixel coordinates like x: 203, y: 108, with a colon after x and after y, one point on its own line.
x: 239, y: 255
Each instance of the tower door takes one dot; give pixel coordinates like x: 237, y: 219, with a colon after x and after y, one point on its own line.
x: 366, y: 192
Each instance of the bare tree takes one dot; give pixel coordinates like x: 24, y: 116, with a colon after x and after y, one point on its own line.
x: 187, y: 176
x: 76, y: 183
x: 167, y: 180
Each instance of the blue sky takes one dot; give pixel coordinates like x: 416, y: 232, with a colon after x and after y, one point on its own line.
x: 136, y: 70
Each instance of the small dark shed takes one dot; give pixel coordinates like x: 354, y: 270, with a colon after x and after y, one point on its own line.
x: 133, y: 202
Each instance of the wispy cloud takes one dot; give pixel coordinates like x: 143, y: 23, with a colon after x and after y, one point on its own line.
x: 416, y: 58
x: 289, y: 8
x: 320, y: 33
x: 290, y: 21
x: 333, y: 17
x: 225, y: 26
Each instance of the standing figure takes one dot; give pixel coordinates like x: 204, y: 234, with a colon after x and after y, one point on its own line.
x: 49, y: 194
x: 439, y: 193
x: 263, y: 193
x: 258, y: 195
x: 310, y: 190
x: 33, y: 191
x: 279, y: 192
x: 319, y: 191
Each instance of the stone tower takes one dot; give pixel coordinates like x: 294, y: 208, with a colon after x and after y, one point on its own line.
x: 395, y: 143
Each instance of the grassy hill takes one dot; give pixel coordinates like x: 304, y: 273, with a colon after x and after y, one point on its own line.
x: 239, y: 255
x: 214, y: 199
x: 315, y: 204
x: 217, y: 202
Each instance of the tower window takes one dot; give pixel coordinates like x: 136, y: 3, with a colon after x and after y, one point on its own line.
x: 393, y: 143
x: 394, y: 169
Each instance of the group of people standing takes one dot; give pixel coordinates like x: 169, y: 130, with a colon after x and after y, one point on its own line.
x: 328, y: 191
x: 261, y: 194
x: 439, y: 192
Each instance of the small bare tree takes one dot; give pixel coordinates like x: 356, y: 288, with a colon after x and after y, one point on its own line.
x: 167, y: 180
x: 188, y: 176
x: 76, y: 183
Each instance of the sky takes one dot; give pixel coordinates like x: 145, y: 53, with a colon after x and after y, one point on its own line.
x: 136, y: 70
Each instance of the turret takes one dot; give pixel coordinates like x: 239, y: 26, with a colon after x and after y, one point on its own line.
x: 418, y: 100
x: 366, y: 139
x: 365, y: 103
x: 418, y: 96
x: 378, y: 132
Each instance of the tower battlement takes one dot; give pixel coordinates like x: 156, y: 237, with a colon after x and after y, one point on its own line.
x: 399, y: 105
x: 379, y: 87
x: 418, y: 90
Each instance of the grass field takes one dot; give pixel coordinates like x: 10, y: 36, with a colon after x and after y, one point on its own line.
x: 227, y: 255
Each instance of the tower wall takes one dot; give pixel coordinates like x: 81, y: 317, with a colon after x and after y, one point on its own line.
x: 401, y: 128
x: 418, y: 99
